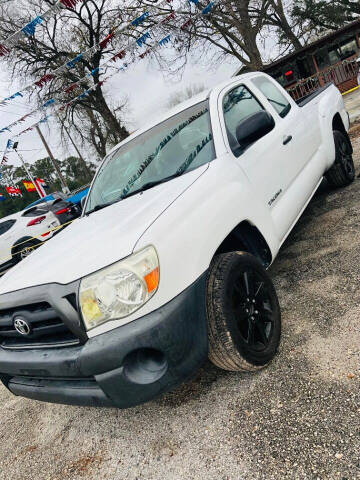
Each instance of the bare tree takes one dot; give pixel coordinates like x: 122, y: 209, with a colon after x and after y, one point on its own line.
x: 57, y: 41
x: 276, y: 16
x: 234, y: 28
x: 182, y: 95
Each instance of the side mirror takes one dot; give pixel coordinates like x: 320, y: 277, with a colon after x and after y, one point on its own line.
x: 82, y: 202
x: 253, y: 128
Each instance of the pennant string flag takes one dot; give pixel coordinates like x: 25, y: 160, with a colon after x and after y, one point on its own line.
x: 120, y: 55
x: 29, y: 29
x: 79, y: 97
x: 137, y: 43
x: 86, y: 54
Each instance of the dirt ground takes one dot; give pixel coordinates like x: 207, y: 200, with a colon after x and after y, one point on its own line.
x: 297, y: 419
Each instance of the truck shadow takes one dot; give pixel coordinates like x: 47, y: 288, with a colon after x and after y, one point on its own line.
x: 194, y: 388
x: 318, y: 205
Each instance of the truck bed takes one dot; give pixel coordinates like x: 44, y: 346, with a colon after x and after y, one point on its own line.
x: 305, y: 100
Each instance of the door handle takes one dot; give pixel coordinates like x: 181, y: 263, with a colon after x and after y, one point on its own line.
x: 287, y: 139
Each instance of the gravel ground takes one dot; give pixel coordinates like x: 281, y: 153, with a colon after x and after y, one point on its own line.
x: 297, y: 419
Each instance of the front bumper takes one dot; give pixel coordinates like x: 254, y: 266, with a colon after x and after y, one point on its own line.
x: 123, y: 367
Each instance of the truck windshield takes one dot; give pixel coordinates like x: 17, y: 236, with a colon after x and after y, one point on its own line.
x: 176, y: 146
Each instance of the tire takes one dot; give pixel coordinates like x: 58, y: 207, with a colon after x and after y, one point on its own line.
x: 235, y: 279
x: 24, y: 249
x: 342, y: 173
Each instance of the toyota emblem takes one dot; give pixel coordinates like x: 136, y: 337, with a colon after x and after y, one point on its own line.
x: 22, y: 326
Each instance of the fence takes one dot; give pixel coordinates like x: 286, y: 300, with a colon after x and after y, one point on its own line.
x: 340, y: 75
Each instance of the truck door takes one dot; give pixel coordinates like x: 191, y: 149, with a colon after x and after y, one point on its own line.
x: 298, y: 147
x: 266, y: 162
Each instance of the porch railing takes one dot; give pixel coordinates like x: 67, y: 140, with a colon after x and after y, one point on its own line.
x: 347, y: 70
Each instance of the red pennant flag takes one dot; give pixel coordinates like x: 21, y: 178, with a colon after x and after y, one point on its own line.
x: 147, y: 52
x: 119, y: 55
x: 71, y: 88
x: 46, y: 78
x: 106, y: 40
x: 69, y: 3
x: 186, y: 24
x: 3, y: 50
x: 22, y: 119
x: 168, y: 18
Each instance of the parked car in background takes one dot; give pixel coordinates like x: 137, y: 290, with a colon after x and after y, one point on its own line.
x: 78, y: 196
x: 22, y: 232
x: 64, y: 210
x: 48, y: 198
x: 74, y: 198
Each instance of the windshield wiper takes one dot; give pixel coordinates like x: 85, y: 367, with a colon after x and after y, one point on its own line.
x: 100, y: 206
x: 148, y: 185
x: 144, y: 187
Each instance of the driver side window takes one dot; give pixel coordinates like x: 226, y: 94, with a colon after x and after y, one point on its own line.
x: 238, y: 104
x: 273, y: 95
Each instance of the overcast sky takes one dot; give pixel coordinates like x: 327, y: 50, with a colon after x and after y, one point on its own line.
x: 145, y: 86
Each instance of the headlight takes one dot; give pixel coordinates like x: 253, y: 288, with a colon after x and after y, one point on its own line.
x: 120, y: 289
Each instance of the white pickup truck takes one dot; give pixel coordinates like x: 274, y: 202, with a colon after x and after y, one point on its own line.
x: 167, y: 264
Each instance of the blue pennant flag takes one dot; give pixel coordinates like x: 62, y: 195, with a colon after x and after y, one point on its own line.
x: 140, y: 41
x: 164, y: 41
x: 74, y: 61
x: 83, y: 95
x: 140, y: 19
x: 97, y: 69
x: 193, y: 1
x: 208, y: 8
x: 14, y: 95
x: 9, y: 144
x: 48, y: 103
x: 17, y: 94
x: 29, y: 29
x: 45, y: 119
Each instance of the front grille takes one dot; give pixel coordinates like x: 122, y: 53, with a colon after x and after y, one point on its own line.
x: 46, y: 328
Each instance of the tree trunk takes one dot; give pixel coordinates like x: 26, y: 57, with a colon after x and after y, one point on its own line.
x: 117, y: 132
x: 284, y: 25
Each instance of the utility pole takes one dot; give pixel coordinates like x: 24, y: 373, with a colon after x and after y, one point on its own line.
x: 65, y: 188
x: 26, y: 169
x: 86, y: 168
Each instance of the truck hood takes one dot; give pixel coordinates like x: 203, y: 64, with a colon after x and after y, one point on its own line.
x: 95, y: 241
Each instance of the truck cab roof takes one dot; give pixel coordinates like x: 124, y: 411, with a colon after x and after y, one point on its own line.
x: 200, y: 97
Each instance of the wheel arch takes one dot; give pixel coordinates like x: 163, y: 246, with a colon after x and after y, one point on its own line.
x: 338, y: 124
x: 21, y: 241
x: 247, y: 237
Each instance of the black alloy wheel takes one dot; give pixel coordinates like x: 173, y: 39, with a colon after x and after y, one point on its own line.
x: 253, y: 309
x: 342, y: 173
x: 244, y: 320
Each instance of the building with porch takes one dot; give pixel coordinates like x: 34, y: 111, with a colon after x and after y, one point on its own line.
x: 331, y: 58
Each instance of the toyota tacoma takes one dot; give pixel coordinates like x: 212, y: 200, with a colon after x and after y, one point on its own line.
x: 167, y: 265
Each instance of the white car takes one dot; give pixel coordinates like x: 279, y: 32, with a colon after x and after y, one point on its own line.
x: 21, y: 232
x: 167, y: 264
